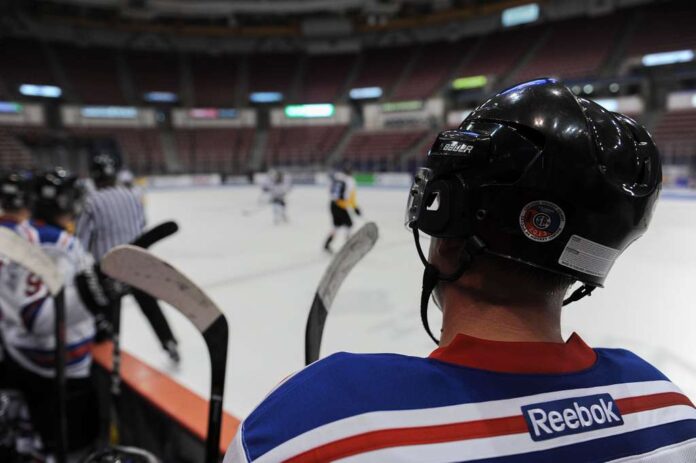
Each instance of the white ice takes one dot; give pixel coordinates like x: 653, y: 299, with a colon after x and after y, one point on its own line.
x: 264, y: 277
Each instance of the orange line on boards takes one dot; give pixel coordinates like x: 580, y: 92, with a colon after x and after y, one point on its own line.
x: 179, y: 403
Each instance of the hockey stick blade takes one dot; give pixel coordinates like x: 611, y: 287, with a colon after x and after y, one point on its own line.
x: 31, y: 257
x: 155, y: 234
x: 141, y: 269
x: 357, y: 246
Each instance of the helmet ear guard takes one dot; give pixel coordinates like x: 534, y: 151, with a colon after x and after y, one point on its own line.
x: 444, y: 211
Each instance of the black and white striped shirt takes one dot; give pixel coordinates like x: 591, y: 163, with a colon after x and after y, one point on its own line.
x: 111, y: 216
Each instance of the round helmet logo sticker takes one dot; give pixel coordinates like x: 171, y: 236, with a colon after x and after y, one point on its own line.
x: 542, y: 221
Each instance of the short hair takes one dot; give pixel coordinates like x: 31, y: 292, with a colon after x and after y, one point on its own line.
x: 529, y: 275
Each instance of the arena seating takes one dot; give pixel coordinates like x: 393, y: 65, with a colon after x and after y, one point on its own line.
x: 324, y: 77
x: 591, y: 42
x: 497, y: 54
x: 382, y: 67
x: 382, y: 149
x: 14, y: 154
x: 214, y: 80
x: 665, y: 29
x: 141, y: 149
x: 302, y: 144
x: 675, y: 134
x: 272, y: 72
x: 434, y: 64
x: 22, y: 62
x: 214, y: 150
x: 154, y: 72
x: 93, y: 74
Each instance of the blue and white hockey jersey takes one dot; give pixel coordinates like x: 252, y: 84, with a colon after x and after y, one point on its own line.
x: 476, y: 401
x: 27, y: 318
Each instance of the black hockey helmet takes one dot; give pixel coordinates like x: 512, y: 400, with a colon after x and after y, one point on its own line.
x: 104, y: 167
x: 540, y: 176
x: 15, y: 191
x: 57, y: 192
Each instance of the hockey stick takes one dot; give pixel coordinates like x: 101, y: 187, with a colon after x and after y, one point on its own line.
x: 343, y: 262
x: 140, y: 269
x: 156, y: 234
x: 145, y: 240
x: 34, y: 259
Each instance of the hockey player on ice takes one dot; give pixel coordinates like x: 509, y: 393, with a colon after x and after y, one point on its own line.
x: 536, y: 190
x: 276, y: 186
x: 343, y: 199
x: 27, y: 321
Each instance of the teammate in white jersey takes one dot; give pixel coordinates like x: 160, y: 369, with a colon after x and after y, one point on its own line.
x: 277, y: 186
x: 28, y: 318
x: 343, y: 200
x: 15, y: 194
x: 537, y: 189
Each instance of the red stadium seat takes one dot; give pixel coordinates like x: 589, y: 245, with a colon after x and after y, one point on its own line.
x: 214, y: 150
x: 302, y: 144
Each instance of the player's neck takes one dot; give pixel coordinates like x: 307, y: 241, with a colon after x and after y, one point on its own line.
x: 528, y: 321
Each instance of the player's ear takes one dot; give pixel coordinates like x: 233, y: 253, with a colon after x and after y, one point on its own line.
x: 445, y: 254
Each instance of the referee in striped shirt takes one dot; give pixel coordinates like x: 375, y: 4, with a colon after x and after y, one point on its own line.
x: 113, y: 215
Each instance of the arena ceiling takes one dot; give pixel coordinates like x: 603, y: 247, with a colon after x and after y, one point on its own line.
x: 316, y: 26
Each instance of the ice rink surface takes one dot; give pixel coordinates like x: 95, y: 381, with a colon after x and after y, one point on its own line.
x: 264, y: 277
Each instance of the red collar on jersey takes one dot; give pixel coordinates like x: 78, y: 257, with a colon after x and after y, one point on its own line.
x: 518, y: 357
x: 8, y: 219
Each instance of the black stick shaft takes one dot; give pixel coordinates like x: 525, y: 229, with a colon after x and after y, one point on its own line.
x: 315, y: 329
x: 145, y: 240
x: 61, y: 392
x: 155, y: 234
x: 216, y: 341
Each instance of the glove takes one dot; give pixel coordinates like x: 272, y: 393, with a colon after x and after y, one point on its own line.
x: 97, y: 291
x: 92, y: 291
x: 104, y: 328
x: 357, y: 210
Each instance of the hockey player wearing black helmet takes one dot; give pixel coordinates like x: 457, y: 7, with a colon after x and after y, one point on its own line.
x: 15, y: 196
x: 27, y: 321
x: 537, y: 189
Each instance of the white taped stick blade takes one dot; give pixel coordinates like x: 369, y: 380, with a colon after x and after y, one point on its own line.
x: 349, y: 255
x: 147, y: 272
x: 31, y: 257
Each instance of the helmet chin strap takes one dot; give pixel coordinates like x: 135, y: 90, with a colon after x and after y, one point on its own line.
x: 582, y: 291
x: 431, y: 275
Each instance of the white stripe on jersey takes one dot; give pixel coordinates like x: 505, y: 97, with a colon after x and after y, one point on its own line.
x: 515, y: 444
x: 236, y: 452
x: 382, y: 420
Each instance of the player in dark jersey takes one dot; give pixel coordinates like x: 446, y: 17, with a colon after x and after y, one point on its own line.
x: 537, y: 189
x: 343, y: 200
